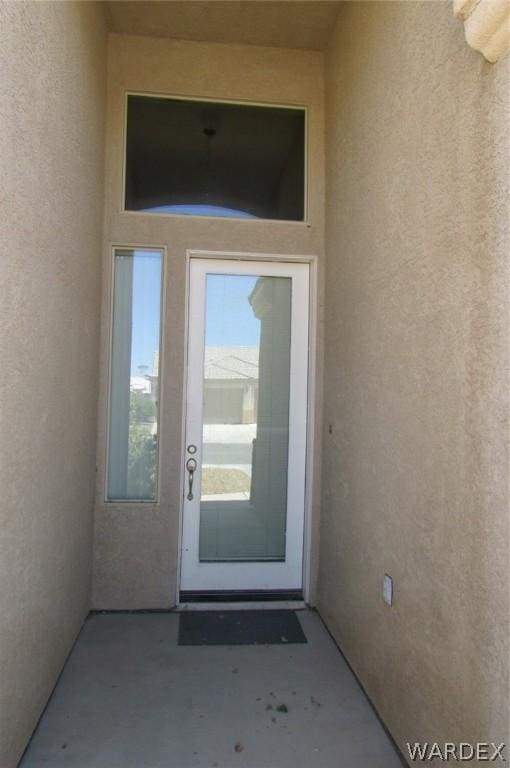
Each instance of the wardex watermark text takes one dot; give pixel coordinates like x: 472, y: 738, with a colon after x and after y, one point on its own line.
x: 461, y: 752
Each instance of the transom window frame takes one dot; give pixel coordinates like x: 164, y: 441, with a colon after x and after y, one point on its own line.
x: 305, y: 222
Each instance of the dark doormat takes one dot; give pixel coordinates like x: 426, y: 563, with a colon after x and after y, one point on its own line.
x: 271, y: 627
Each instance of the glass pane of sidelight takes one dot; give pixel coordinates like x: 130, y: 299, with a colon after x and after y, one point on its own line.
x: 212, y: 159
x: 245, y: 418
x: 134, y: 379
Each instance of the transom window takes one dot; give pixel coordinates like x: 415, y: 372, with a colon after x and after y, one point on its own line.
x: 214, y: 159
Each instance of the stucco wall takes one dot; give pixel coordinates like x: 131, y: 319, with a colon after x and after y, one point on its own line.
x: 415, y: 467
x: 136, y: 545
x: 51, y: 169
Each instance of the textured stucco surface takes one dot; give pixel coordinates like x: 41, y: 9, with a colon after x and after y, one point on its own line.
x: 52, y: 58
x: 299, y: 25
x: 415, y: 469
x: 136, y: 545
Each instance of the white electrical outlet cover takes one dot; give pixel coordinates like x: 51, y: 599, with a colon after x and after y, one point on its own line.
x: 388, y: 589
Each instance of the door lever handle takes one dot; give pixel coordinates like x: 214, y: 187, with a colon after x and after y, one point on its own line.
x: 191, y: 466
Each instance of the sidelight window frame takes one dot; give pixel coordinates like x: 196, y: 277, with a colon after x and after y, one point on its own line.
x: 162, y: 250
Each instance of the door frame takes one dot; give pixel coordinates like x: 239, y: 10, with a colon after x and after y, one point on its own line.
x: 312, y: 366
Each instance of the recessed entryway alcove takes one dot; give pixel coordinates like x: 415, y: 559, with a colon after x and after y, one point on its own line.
x: 383, y: 173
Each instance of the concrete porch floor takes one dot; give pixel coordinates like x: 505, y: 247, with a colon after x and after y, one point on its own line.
x: 130, y: 697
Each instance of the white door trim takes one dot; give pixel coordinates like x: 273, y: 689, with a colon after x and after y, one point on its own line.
x: 311, y: 261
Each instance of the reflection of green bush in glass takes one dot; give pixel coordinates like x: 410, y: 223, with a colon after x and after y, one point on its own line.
x: 141, y: 463
x: 141, y: 409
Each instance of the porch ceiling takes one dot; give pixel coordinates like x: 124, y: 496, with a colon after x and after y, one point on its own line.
x: 288, y: 24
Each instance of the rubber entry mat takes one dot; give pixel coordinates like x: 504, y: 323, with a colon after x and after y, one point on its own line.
x: 263, y: 627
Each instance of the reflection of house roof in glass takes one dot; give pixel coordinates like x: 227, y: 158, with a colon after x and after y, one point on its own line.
x: 140, y: 384
x: 231, y: 363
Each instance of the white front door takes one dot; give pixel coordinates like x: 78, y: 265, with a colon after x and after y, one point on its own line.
x: 245, y: 444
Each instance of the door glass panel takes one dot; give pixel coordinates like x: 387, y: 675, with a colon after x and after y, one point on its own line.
x: 245, y: 418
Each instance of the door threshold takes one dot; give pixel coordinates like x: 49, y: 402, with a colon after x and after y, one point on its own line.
x: 268, y: 605
x: 240, y: 600
x: 239, y: 595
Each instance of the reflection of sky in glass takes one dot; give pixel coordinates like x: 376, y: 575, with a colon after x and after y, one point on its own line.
x: 230, y: 320
x: 193, y: 209
x: 146, y: 310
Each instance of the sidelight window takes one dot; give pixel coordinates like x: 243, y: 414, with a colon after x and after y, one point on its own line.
x: 135, y: 375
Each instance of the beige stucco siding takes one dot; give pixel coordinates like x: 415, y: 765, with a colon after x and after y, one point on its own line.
x: 415, y: 469
x: 52, y: 109
x: 137, y: 544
